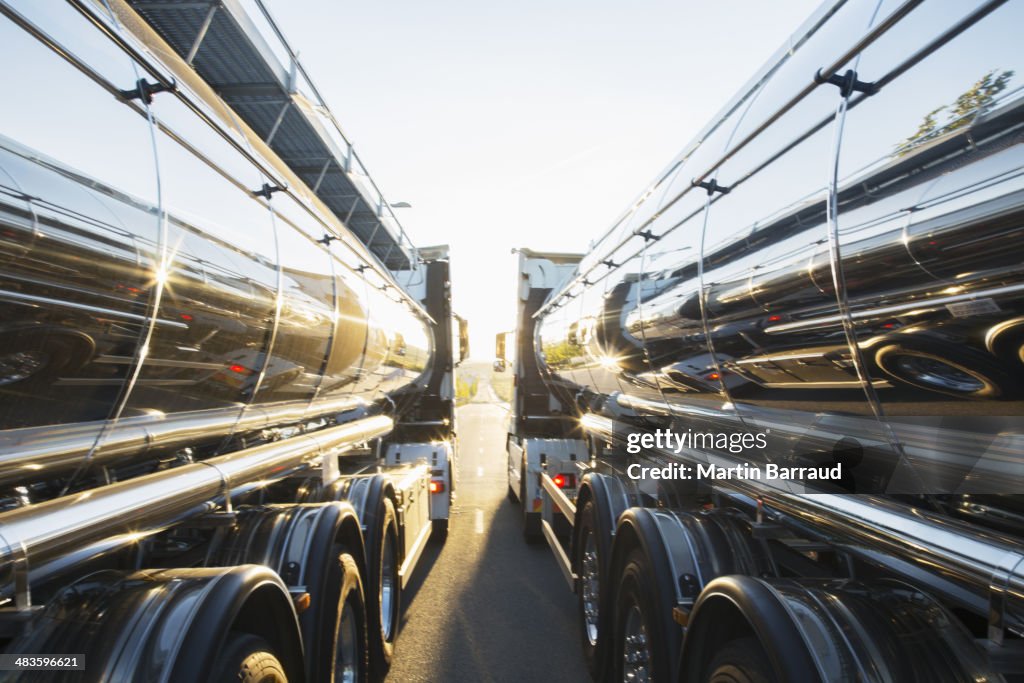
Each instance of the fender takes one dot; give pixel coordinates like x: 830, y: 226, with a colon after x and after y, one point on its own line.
x: 362, y: 495
x: 165, y: 625
x: 731, y: 600
x: 252, y: 596
x: 637, y: 527
x: 301, y: 542
x: 610, y: 501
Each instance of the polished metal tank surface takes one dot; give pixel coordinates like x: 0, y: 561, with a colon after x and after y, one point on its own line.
x: 841, y: 268
x: 158, y: 260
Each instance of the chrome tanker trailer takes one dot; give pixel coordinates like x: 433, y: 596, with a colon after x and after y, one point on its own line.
x: 772, y: 424
x: 226, y: 417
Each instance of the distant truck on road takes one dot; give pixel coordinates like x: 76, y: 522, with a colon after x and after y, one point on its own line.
x: 828, y: 282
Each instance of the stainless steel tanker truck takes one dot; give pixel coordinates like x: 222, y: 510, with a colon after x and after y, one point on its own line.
x: 226, y: 411
x: 772, y: 423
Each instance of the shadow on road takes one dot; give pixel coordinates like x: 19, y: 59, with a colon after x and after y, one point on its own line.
x: 486, y: 606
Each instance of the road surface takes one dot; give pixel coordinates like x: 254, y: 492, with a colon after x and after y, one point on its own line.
x: 485, y: 606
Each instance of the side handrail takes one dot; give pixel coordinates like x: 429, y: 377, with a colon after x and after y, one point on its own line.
x: 817, y: 79
x: 329, y: 115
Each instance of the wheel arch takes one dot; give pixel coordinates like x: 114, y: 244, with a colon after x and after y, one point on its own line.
x: 638, y: 528
x: 603, y: 491
x: 379, y: 487
x: 735, y: 606
x: 584, y: 496
x: 349, y: 534
x: 240, y: 598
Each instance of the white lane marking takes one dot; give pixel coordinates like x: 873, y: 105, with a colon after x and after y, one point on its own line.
x: 479, y: 471
x: 478, y: 522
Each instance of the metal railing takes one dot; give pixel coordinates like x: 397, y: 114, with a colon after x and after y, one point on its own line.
x: 272, y: 168
x: 818, y: 79
x: 353, y: 167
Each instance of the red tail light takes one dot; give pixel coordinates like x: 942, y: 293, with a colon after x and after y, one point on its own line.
x: 564, y: 480
x: 436, y: 486
x: 240, y: 369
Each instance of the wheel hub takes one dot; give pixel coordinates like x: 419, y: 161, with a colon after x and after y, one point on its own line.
x: 387, y: 588
x: 636, y: 657
x: 590, y: 587
x: 347, y: 647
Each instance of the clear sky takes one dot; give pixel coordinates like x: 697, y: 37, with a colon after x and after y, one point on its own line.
x: 532, y: 123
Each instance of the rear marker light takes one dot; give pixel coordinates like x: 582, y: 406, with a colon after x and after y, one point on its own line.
x: 437, y: 487
x: 564, y: 480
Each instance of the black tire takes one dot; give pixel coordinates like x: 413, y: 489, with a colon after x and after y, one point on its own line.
x: 346, y: 646
x: 590, y: 559
x: 383, y: 588
x: 958, y: 372
x: 531, y: 520
x: 439, y: 532
x: 636, y: 614
x: 247, y: 658
x: 512, y: 498
x: 740, y: 661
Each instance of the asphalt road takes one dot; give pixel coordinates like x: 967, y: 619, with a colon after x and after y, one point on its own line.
x: 485, y: 606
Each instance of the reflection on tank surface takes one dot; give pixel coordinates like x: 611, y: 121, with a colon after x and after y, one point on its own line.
x: 842, y: 272
x: 933, y: 297
x: 80, y: 266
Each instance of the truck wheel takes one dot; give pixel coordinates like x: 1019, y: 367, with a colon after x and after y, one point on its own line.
x: 350, y: 652
x: 248, y: 659
x: 589, y: 564
x: 531, y: 520
x: 741, y: 661
x: 959, y: 372
x: 383, y: 587
x: 640, y: 645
